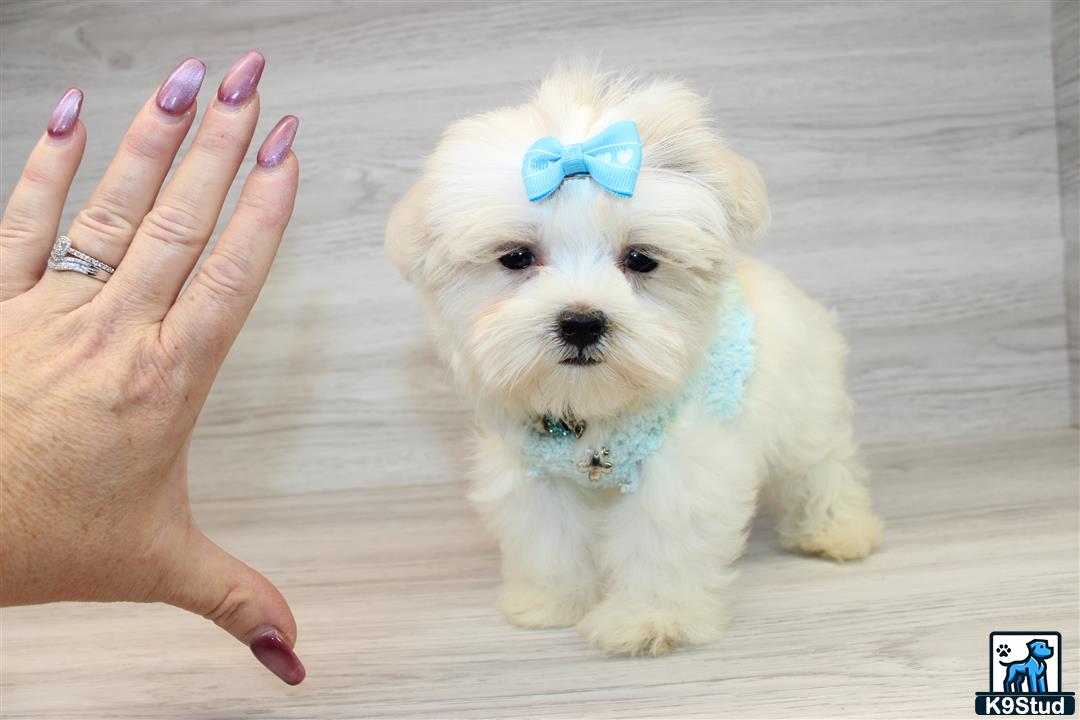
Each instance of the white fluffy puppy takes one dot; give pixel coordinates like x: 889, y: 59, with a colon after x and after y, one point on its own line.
x: 637, y: 379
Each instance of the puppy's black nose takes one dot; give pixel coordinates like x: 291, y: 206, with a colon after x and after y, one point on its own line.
x: 582, y: 329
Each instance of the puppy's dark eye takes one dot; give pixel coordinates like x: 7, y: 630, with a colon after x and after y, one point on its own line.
x: 638, y: 261
x: 518, y: 259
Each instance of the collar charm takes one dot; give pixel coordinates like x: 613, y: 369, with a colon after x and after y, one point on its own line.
x: 597, y: 465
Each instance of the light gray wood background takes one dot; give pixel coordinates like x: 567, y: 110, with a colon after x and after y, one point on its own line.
x: 1066, y: 19
x: 910, y: 151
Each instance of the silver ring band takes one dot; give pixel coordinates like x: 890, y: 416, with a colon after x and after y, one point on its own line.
x: 65, y: 257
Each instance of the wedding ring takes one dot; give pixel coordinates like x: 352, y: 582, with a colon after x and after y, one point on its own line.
x: 65, y: 257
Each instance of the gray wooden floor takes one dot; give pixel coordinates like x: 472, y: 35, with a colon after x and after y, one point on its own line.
x: 911, y: 154
x: 394, y: 589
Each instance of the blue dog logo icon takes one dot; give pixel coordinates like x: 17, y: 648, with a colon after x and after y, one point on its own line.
x: 1030, y: 670
x: 1025, y: 676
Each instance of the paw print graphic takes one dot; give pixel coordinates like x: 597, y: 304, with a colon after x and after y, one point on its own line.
x: 1002, y: 650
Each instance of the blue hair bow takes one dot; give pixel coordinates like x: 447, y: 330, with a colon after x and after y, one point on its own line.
x: 612, y: 158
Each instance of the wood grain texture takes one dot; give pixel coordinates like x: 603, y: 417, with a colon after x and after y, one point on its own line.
x: 1066, y: 20
x: 394, y: 591
x: 909, y: 147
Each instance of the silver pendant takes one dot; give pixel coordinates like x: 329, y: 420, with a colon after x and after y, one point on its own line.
x: 597, y: 465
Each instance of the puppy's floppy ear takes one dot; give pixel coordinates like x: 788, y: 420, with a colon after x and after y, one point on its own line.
x: 677, y: 136
x: 742, y: 192
x: 407, y: 231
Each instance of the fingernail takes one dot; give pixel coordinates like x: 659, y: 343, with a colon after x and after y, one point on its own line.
x: 242, y: 79
x: 66, y: 113
x: 277, y: 144
x: 179, y: 89
x: 269, y: 647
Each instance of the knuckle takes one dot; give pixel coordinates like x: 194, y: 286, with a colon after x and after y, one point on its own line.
x: 224, y: 276
x: 19, y: 231
x: 142, y: 373
x: 103, y: 222
x: 144, y: 144
x: 174, y: 225
x: 153, y: 382
x: 218, y: 142
x: 231, y: 607
x: 39, y: 174
x: 261, y: 212
x: 88, y: 347
x: 141, y: 380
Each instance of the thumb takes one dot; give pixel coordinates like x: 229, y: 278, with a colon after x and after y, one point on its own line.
x: 214, y: 584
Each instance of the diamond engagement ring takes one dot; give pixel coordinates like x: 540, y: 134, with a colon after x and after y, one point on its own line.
x: 65, y: 257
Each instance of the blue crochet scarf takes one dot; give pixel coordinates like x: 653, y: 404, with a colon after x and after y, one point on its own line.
x: 555, y: 451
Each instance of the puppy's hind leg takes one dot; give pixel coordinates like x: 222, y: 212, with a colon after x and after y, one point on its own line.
x: 827, y: 511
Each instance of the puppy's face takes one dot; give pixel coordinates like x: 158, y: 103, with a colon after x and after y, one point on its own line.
x: 584, y: 302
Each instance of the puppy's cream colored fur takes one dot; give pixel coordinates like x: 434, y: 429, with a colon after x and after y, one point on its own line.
x: 647, y: 571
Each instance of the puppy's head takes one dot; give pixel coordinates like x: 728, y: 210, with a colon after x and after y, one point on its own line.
x: 583, y: 302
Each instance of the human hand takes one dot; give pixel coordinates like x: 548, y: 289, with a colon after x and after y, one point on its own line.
x: 101, y: 382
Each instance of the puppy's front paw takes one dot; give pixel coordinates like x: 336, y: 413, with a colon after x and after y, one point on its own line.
x: 621, y: 631
x: 529, y: 606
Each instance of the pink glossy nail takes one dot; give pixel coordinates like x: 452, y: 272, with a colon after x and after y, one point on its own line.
x: 66, y: 113
x: 269, y: 647
x: 178, y: 91
x: 242, y: 79
x: 277, y: 144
